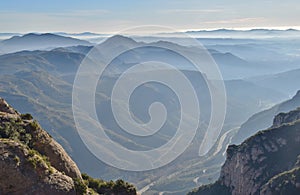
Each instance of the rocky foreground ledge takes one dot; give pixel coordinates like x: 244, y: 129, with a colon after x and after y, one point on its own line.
x: 31, y: 162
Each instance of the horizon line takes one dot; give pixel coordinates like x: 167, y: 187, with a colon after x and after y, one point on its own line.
x: 182, y: 30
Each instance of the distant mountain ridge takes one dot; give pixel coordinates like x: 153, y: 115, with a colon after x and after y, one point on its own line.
x: 286, y: 82
x: 251, y: 30
x: 254, y: 33
x: 224, y: 31
x: 34, y: 41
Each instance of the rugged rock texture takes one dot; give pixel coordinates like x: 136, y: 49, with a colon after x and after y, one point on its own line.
x: 31, y: 162
x: 5, y: 108
x: 40, y: 140
x: 45, y: 145
x: 284, y: 183
x: 26, y: 172
x: 266, y: 163
x: 283, y: 118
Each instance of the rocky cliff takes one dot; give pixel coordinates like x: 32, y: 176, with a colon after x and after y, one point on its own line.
x: 266, y: 163
x: 31, y: 162
x: 26, y: 172
x: 283, y: 118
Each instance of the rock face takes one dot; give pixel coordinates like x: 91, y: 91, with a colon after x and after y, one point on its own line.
x: 23, y: 172
x: 5, y: 108
x: 283, y: 118
x: 31, y: 162
x: 285, y: 183
x: 266, y: 163
x: 45, y: 145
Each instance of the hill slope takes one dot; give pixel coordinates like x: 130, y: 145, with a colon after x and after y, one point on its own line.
x: 264, y: 119
x: 285, y: 82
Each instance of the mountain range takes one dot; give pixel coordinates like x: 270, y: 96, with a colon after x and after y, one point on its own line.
x: 252, y: 33
x: 34, y: 41
x: 40, y: 82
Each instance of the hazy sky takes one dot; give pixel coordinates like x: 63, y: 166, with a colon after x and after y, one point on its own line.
x: 114, y: 15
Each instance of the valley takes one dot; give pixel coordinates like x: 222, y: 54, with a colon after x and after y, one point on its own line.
x: 38, y: 78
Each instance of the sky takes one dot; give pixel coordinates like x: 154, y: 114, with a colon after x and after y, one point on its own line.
x: 111, y: 16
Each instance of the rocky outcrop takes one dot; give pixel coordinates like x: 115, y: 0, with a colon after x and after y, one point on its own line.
x: 45, y: 145
x: 284, y: 183
x: 5, y: 108
x: 289, y: 117
x: 39, y: 140
x: 266, y: 163
x: 31, y: 162
x: 26, y: 172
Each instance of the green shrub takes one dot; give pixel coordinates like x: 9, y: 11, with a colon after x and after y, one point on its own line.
x: 111, y: 187
x: 14, y: 130
x: 35, y: 158
x: 34, y: 125
x: 26, y: 116
x: 80, y: 187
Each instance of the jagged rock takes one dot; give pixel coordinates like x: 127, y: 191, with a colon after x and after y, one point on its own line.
x: 47, y: 146
x: 266, y: 163
x: 5, y: 108
x: 31, y: 162
x: 283, y: 118
x: 40, y: 141
x: 25, y: 172
x: 284, y: 183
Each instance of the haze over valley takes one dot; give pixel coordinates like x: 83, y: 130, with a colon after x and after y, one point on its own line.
x: 150, y: 98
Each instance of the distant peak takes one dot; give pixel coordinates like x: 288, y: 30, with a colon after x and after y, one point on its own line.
x: 38, y: 34
x: 120, y: 39
x: 249, y: 30
x: 48, y: 34
x: 30, y: 34
x: 292, y: 29
x: 297, y: 94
